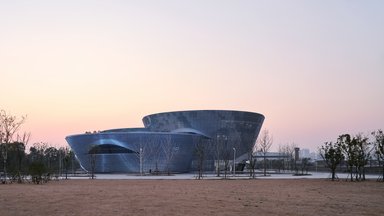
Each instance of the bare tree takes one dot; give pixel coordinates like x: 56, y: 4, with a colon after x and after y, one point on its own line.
x: 200, y: 152
x: 140, y: 155
x: 143, y: 153
x: 168, y: 150
x: 9, y: 125
x: 251, y: 149
x: 92, y: 153
x: 217, y: 149
x: 264, y: 143
x: 218, y: 146
x: 283, y: 153
x: 67, y: 153
x: 379, y: 148
x: 148, y: 154
x: 234, y: 145
x: 226, y: 155
x: 24, y: 138
x: 252, y: 160
x: 288, y: 151
x: 20, y: 145
x: 152, y: 152
x: 247, y: 143
x: 304, y: 165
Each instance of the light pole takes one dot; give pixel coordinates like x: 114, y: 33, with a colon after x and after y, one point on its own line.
x: 141, y: 161
x: 234, y: 160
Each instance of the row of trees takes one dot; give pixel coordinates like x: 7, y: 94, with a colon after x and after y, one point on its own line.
x: 42, y: 162
x: 41, y: 158
x: 288, y: 161
x: 223, y: 151
x: 17, y: 161
x: 355, y: 152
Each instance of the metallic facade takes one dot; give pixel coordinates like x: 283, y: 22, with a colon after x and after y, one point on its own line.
x: 167, y: 142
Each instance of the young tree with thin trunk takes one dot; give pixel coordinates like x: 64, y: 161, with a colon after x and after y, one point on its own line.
x: 288, y: 150
x: 24, y: 139
x: 363, y: 153
x: 291, y: 154
x: 265, y: 142
x: 350, y: 150
x: 141, y: 153
x: 37, y: 166
x: 332, y: 154
x: 151, y: 153
x: 201, y: 149
x: 379, y: 148
x: 66, y: 159
x: 252, y: 160
x: 233, y: 144
x: 168, y: 150
x: 92, y: 154
x: 9, y: 125
x: 282, y: 153
x: 218, y: 150
x: 226, y: 155
x: 15, y: 157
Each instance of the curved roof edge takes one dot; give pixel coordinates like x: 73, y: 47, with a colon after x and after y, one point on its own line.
x: 137, y: 132
x: 210, y: 110
x: 139, y: 129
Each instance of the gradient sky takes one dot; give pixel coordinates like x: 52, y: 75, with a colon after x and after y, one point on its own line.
x: 315, y: 69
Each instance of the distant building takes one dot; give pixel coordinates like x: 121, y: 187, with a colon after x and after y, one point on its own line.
x: 304, y: 153
x: 315, y: 156
x: 167, y: 141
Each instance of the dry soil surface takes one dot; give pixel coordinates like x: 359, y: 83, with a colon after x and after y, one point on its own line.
x: 193, y: 197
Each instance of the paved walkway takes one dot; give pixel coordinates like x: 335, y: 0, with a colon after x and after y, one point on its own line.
x: 313, y: 175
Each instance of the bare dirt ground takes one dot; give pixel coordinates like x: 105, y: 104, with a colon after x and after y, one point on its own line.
x: 194, y: 197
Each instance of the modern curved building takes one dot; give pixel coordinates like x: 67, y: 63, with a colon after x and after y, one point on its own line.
x: 168, y: 141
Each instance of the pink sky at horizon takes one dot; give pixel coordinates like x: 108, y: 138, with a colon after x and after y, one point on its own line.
x: 314, y: 69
